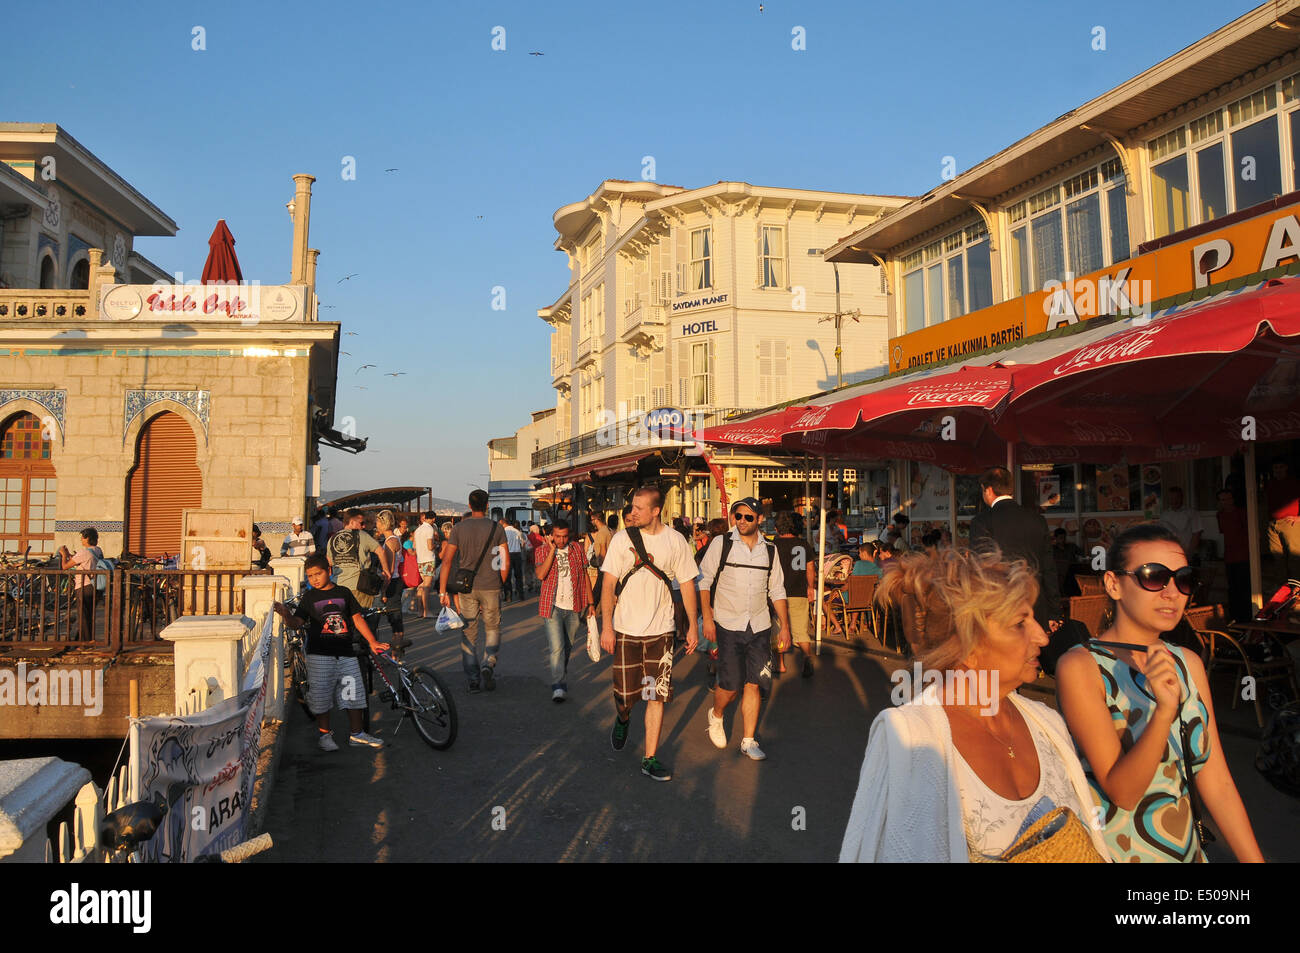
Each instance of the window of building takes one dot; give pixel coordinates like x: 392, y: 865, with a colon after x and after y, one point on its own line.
x: 585, y: 318
x: 28, y: 487
x: 640, y: 385
x: 591, y: 251
x: 80, y: 279
x: 701, y: 273
x: 772, y: 252
x: 1226, y: 160
x: 773, y: 370
x: 948, y: 278
x: 599, y: 317
x: 695, y: 373
x: 47, y: 272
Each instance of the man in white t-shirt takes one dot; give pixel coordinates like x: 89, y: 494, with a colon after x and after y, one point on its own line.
x: 426, y: 558
x: 515, y: 547
x: 1185, y: 523
x: 639, y: 630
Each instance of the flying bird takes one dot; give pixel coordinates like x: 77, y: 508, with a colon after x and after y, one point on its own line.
x: 350, y: 334
x: 346, y: 278
x: 535, y: 53
x: 346, y: 353
x: 396, y: 374
x: 364, y: 366
x: 392, y: 170
x: 359, y: 387
x: 327, y: 307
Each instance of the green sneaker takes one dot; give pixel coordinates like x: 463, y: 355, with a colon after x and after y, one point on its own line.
x: 618, y: 735
x: 652, y: 769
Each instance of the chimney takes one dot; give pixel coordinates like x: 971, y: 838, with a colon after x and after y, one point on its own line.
x: 312, y: 255
x: 301, y: 226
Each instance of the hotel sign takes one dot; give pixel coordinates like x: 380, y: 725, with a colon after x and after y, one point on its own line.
x: 1243, y: 248
x: 246, y: 303
x: 701, y: 301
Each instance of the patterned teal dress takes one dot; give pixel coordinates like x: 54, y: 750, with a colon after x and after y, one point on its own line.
x: 1160, y: 828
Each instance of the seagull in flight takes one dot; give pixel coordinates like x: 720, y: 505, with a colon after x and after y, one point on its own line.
x: 346, y: 353
x: 396, y: 374
x: 392, y: 170
x: 359, y: 387
x: 535, y: 53
x: 347, y: 278
x: 351, y: 334
x: 363, y: 367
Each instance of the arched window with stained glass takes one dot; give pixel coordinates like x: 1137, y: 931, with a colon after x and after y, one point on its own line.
x: 29, y: 485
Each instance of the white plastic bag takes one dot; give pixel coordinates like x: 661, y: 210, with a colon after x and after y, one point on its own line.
x: 593, y: 639
x: 449, y: 619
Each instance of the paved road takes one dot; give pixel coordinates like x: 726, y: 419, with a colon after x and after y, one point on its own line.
x: 565, y: 794
x: 547, y: 771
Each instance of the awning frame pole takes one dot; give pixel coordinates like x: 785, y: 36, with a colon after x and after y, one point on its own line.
x: 1252, y: 529
x: 821, y: 560
x: 807, y: 493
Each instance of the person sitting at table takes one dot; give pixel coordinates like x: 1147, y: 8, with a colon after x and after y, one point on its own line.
x: 867, y: 562
x: 948, y: 777
x: 1141, y: 714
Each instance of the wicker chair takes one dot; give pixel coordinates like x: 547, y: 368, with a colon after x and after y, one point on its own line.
x: 1090, y: 611
x: 1090, y: 585
x: 858, y: 610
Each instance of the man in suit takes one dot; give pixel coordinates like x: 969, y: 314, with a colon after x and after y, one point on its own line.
x: 1021, y: 534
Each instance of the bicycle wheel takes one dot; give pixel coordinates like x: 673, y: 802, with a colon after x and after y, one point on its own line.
x: 431, y: 708
x: 298, y: 677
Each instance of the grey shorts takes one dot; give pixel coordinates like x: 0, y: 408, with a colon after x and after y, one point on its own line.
x: 334, y: 683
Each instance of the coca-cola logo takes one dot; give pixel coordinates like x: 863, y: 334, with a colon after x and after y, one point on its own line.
x: 1088, y: 432
x: 908, y: 451
x: 752, y: 437
x: 1120, y: 348
x: 811, y: 418
x: 1049, y: 454
x: 1280, y: 427
x: 951, y: 395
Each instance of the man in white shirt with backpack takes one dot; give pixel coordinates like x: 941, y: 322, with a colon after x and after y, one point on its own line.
x: 739, y: 573
x: 639, y: 567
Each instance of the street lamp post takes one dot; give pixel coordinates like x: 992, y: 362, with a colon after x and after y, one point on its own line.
x: 838, y: 317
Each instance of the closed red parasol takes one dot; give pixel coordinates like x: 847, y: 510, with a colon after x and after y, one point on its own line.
x: 222, y: 264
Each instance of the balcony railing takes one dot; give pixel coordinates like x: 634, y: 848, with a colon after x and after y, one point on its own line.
x: 576, y: 448
x: 37, y: 304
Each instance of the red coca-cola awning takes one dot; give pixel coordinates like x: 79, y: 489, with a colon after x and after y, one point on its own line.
x: 222, y: 264
x: 1196, y: 380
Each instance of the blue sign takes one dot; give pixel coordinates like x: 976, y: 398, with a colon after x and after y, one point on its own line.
x: 667, y: 423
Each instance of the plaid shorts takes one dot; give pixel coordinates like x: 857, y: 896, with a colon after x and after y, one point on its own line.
x: 643, y: 668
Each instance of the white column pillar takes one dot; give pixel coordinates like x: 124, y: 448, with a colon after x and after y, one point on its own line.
x: 32, y: 792
x: 259, y: 593
x: 205, y: 657
x: 291, y: 569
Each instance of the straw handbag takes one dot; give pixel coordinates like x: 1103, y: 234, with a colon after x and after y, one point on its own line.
x: 1058, y: 837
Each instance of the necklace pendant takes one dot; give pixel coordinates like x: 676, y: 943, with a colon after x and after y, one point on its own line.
x: 1010, y: 752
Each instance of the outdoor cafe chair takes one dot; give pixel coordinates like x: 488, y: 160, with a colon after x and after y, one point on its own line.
x: 858, y: 608
x: 1090, y: 585
x: 1090, y: 611
x: 1257, y: 655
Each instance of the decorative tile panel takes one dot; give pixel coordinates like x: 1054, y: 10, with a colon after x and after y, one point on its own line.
x: 198, y: 402
x: 55, y: 401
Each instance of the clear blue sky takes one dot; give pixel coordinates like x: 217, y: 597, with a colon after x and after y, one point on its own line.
x: 713, y: 91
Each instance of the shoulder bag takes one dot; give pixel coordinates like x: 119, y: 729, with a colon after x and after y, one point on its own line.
x: 462, y: 580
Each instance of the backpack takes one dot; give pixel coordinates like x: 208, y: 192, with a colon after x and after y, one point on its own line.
x: 727, y: 542
x: 643, y: 560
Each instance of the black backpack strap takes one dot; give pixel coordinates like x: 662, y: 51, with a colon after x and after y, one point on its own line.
x: 492, y: 534
x: 727, y: 543
x: 643, y: 561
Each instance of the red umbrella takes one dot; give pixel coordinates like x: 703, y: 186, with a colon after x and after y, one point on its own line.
x: 1195, y: 380
x: 222, y: 265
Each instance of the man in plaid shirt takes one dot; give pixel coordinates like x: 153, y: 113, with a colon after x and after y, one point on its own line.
x: 566, y: 593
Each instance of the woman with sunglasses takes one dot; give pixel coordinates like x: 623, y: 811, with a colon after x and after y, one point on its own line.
x: 1141, y: 714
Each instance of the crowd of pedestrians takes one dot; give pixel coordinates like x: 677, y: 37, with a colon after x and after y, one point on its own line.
x: 944, y: 778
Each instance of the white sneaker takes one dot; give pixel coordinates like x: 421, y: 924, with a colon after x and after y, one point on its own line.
x: 750, y: 748
x: 326, y: 742
x: 559, y: 695
x: 363, y: 740
x: 717, y: 733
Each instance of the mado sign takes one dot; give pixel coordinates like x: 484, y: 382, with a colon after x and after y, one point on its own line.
x: 666, y: 423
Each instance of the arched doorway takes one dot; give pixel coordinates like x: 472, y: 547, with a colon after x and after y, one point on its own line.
x: 27, y: 486
x: 163, y: 483
x: 80, y: 276
x: 47, y: 272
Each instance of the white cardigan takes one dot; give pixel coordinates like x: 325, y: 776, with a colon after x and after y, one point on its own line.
x: 908, y: 805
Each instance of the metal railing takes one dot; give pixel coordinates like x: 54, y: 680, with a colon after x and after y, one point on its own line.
x: 130, y: 606
x: 574, y: 449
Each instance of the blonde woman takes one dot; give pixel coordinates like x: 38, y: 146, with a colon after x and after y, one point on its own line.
x: 389, y: 602
x: 949, y: 777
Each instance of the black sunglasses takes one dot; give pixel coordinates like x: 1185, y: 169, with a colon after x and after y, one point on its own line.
x: 747, y: 519
x: 1153, y: 577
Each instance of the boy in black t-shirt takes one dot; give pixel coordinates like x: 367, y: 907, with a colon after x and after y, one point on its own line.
x: 332, y: 614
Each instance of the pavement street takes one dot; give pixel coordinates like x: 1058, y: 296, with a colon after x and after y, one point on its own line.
x: 531, y: 780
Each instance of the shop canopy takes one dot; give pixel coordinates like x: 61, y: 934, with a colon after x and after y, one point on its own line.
x: 1195, y: 380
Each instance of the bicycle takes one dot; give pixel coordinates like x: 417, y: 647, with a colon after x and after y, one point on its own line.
x: 295, y: 659
x: 422, y: 697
